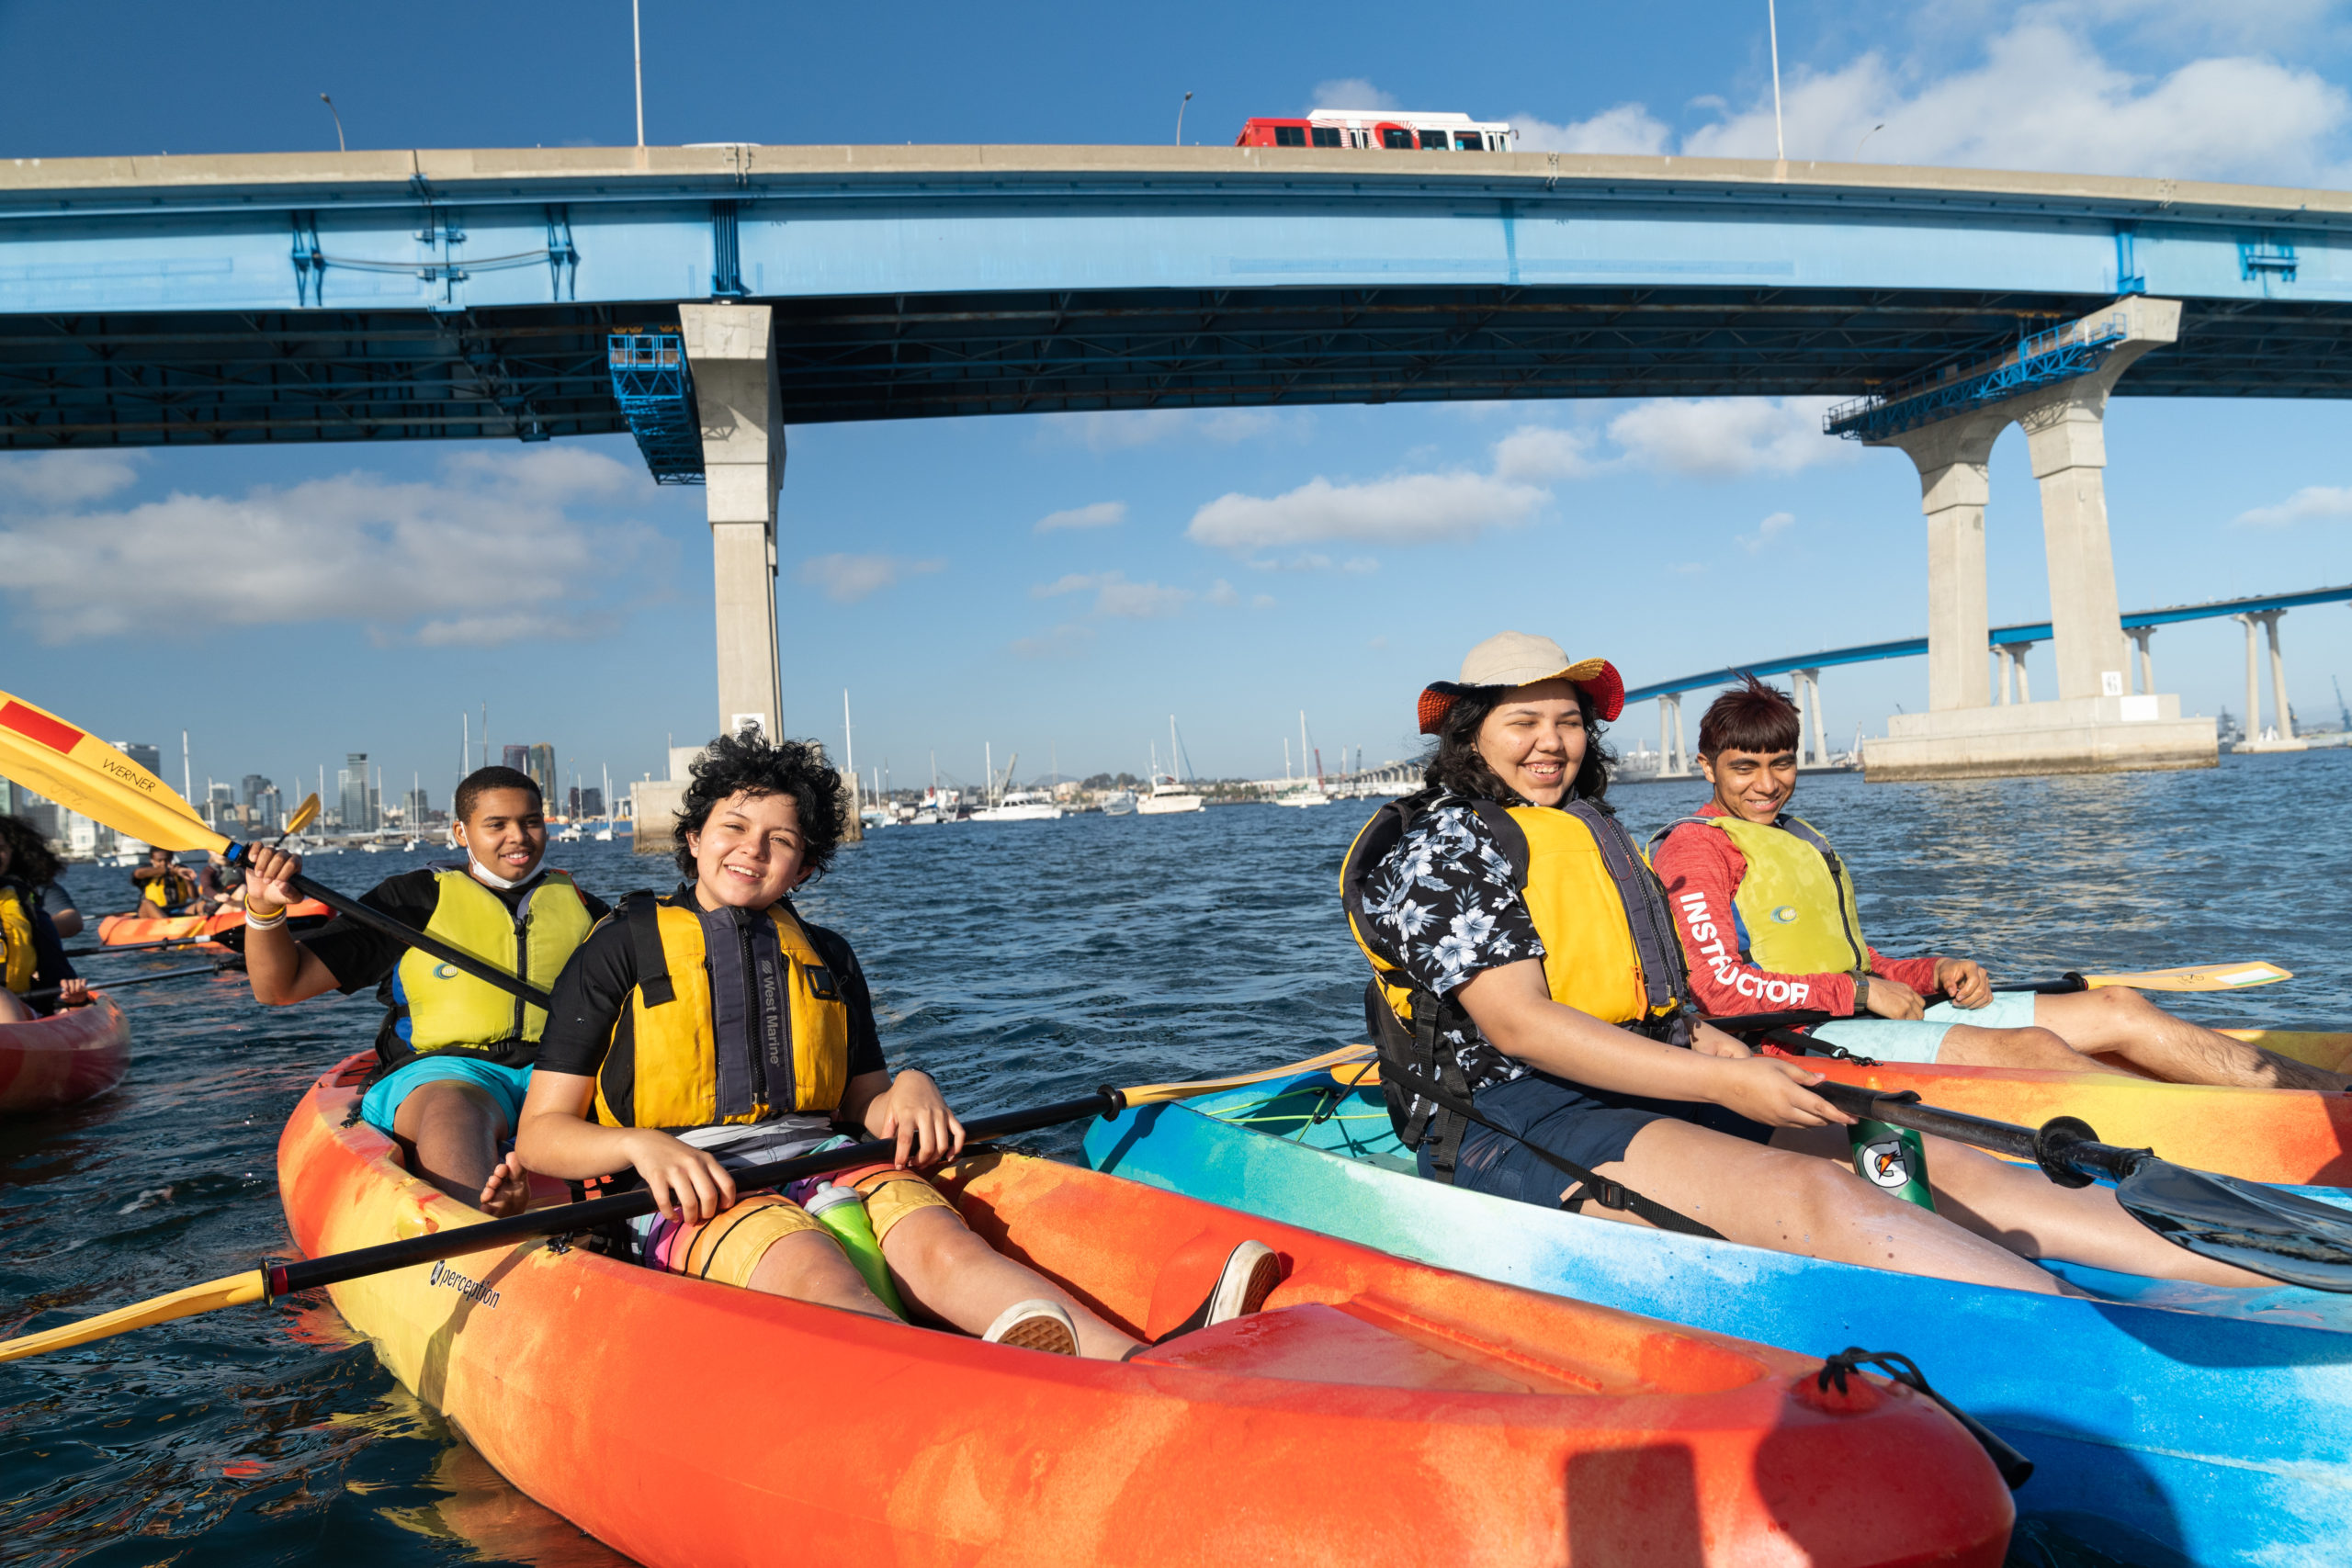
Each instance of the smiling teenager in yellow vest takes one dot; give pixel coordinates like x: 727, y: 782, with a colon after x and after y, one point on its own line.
x: 715, y: 1028
x: 1770, y: 920
x: 454, y: 1054
x: 1531, y: 1015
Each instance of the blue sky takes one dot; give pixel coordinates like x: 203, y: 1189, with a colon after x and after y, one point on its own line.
x: 1059, y: 584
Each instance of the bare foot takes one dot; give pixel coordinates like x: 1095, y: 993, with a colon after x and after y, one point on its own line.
x: 508, y: 1191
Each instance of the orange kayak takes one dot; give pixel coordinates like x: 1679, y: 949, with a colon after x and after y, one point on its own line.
x: 67, y: 1058
x: 133, y: 929
x: 1379, y: 1410
x: 2296, y: 1136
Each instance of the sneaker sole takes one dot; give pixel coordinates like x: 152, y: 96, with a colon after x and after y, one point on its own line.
x: 1050, y: 1334
x: 1265, y: 1273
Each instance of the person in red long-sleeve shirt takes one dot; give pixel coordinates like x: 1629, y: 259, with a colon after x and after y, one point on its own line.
x: 1766, y: 910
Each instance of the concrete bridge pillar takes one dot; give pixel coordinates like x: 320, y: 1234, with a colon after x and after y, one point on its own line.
x: 2281, y: 736
x: 1673, y: 760
x: 1952, y: 456
x: 1813, y: 729
x: 732, y: 353
x: 2140, y: 636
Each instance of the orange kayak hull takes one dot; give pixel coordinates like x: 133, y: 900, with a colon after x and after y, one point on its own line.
x: 129, y: 929
x: 1380, y: 1411
x: 64, y: 1059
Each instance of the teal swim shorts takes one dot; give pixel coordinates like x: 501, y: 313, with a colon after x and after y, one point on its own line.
x: 505, y: 1087
x: 1918, y: 1039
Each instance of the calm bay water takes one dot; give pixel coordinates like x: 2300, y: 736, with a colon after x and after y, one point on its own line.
x: 1017, y: 962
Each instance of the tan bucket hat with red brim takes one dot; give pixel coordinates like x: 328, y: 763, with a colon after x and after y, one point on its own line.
x: 1515, y: 658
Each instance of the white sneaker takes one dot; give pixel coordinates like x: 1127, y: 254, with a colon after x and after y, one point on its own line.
x: 1251, y: 1272
x: 1037, y: 1324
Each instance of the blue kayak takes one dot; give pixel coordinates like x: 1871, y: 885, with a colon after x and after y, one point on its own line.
x: 2170, y: 1424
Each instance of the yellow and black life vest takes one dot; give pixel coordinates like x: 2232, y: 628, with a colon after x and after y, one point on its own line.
x: 173, y: 890
x: 17, y: 959
x: 440, y: 1009
x: 1609, y: 944
x: 696, y: 1047
x: 1796, y: 901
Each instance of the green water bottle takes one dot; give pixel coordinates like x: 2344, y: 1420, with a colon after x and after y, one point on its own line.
x: 1892, y: 1159
x: 843, y: 1213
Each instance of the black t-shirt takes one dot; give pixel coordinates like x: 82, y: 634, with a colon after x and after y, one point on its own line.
x: 359, y: 956
x: 593, y: 992
x: 51, y: 968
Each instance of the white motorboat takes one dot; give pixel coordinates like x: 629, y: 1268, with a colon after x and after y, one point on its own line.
x: 1020, y: 805
x: 1307, y: 792
x: 1304, y: 795
x: 1122, y: 803
x: 1168, y: 794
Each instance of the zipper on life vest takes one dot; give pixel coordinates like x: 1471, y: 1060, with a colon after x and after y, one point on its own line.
x: 755, y: 1022
x: 521, y: 918
x: 1853, y: 938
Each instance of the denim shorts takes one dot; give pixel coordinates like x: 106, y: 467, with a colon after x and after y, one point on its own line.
x: 1588, y: 1126
x: 1918, y: 1039
x: 505, y: 1087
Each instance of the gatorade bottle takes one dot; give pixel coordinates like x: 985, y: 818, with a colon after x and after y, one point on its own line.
x: 1892, y: 1159
x: 843, y: 1212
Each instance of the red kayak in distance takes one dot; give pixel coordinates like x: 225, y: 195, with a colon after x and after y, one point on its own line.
x: 64, y: 1059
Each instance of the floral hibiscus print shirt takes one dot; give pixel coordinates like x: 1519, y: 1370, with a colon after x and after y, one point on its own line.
x: 1444, y: 902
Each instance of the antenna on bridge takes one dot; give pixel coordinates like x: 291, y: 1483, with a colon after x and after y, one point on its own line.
x: 637, y: 52
x: 1773, y: 20
x: 1180, y: 119
x: 338, y: 122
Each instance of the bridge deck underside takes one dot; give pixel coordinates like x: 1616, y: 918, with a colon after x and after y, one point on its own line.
x: 540, y: 371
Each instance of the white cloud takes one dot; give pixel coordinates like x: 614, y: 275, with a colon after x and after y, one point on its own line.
x: 2045, y: 97
x: 846, y: 579
x: 1767, y: 531
x: 1262, y: 601
x: 1540, y: 454
x: 1100, y: 515
x: 1727, y: 438
x: 1222, y: 593
x: 1628, y: 128
x: 1405, y: 509
x: 32, y: 479
x: 1065, y: 641
x: 1351, y: 92
x: 496, y: 548
x: 1115, y: 597
x: 2313, y: 503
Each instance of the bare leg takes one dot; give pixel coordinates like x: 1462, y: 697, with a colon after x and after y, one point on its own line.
x: 942, y: 1267
x: 810, y: 1266
x: 2119, y: 1019
x: 1787, y: 1200
x: 2032, y: 1215
x: 15, y: 1008
x: 451, y: 1132
x: 1968, y: 1045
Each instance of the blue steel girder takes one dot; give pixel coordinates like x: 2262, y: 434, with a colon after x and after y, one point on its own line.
x: 2042, y: 359
x: 160, y: 300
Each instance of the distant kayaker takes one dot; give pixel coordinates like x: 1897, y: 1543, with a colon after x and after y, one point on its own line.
x: 31, y: 956
x: 714, y: 1028
x: 1767, y: 913
x: 1537, y: 1042
x: 454, y: 1054
x: 165, y: 887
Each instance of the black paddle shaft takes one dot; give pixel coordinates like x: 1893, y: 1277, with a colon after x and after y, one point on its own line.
x: 240, y: 854
x: 218, y: 967
x: 2066, y: 1149
x: 338, y: 1267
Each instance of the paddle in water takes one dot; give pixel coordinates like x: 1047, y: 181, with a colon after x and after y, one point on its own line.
x: 218, y: 967
x: 77, y: 770
x: 271, y: 1280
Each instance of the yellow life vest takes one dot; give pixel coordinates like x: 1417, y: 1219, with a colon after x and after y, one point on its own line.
x: 1573, y: 867
x: 17, y: 956
x: 1796, y: 900
x: 169, y: 891
x: 441, y: 1008
x: 680, y: 1060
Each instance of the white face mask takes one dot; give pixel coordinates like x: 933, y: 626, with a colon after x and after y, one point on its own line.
x: 484, y: 875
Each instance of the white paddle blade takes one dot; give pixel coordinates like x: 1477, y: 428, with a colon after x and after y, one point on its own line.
x: 2197, y: 977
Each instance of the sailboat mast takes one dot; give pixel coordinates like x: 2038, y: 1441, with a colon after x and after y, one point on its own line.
x: 849, y: 737
x: 1175, y: 766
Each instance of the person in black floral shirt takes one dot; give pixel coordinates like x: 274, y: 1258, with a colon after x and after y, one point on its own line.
x: 1683, y: 1115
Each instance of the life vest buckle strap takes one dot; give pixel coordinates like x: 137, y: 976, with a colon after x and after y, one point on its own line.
x: 644, y: 916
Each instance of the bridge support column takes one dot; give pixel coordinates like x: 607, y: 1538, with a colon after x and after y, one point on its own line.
x: 742, y: 446
x: 1812, y: 728
x: 2055, y: 385
x: 2281, y: 736
x: 1673, y: 760
x: 2139, y: 636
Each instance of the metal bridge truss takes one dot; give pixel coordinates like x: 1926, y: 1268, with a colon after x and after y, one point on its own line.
x: 656, y: 392
x: 2042, y: 358
x: 545, y: 370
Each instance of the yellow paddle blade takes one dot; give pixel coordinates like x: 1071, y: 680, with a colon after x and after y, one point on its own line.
x: 236, y: 1290
x: 1151, y: 1094
x: 304, y: 815
x: 2197, y: 977
x: 81, y: 772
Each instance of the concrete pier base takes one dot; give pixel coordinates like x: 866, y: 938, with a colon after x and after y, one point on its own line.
x: 2072, y: 735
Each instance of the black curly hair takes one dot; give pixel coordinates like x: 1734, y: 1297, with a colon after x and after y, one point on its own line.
x: 750, y: 764
x: 1453, y: 765
x: 30, y: 860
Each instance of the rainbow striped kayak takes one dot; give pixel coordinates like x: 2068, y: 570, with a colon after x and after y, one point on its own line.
x: 2171, y: 1424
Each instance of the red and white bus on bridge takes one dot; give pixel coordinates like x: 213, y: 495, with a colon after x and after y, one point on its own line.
x: 1392, y: 130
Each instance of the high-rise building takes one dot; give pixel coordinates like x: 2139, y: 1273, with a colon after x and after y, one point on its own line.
x: 356, y: 816
x: 587, y: 802
x: 146, y: 756
x: 259, y: 797
x: 541, y: 768
x: 518, y: 757
x: 414, y: 806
